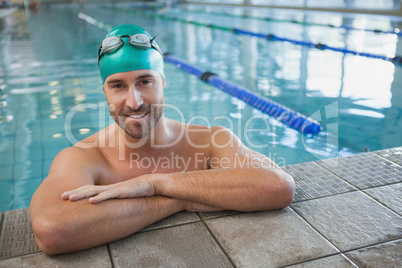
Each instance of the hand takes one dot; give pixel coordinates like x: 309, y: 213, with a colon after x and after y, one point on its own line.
x: 128, y: 189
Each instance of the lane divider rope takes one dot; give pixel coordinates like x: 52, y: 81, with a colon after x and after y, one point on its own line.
x: 155, y: 8
x: 287, y: 116
x: 269, y: 37
x: 395, y: 31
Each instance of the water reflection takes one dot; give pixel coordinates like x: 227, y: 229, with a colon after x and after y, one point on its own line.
x: 43, y: 74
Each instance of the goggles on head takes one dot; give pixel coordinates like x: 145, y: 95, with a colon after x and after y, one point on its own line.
x: 111, y: 43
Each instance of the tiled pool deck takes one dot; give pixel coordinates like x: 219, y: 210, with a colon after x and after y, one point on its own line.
x: 347, y: 212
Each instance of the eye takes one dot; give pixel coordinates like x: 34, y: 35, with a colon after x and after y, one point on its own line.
x: 117, y: 86
x: 145, y: 82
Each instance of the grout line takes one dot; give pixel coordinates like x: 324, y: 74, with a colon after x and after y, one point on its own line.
x: 373, y: 245
x: 377, y: 154
x: 349, y: 250
x: 219, y: 216
x: 164, y: 227
x: 340, y: 251
x: 323, y: 257
x: 329, y: 241
x: 337, y: 175
x: 325, y: 196
x: 378, y: 201
x: 359, y: 188
x: 219, y: 244
x: 354, y: 188
x: 2, y: 216
x: 110, y: 254
x: 350, y: 260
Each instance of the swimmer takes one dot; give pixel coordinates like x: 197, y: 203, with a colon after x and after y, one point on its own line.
x: 145, y: 166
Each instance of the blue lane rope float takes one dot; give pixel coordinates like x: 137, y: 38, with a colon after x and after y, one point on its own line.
x: 395, y: 31
x: 269, y: 37
x: 154, y: 8
x: 295, y: 120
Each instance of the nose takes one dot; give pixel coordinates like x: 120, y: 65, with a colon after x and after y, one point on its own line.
x: 134, y: 98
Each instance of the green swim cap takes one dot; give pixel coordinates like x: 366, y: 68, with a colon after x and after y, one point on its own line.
x: 129, y: 57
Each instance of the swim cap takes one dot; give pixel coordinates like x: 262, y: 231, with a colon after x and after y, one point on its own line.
x: 129, y: 57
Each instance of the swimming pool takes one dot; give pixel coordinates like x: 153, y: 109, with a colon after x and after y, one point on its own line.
x: 49, y: 78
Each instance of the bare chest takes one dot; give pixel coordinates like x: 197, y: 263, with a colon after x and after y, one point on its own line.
x: 138, y: 165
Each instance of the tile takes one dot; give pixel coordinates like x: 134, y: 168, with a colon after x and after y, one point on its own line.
x: 393, y: 154
x: 269, y: 239
x: 364, y: 170
x: 337, y: 261
x: 1, y: 222
x: 383, y: 255
x: 21, y: 203
x: 351, y: 220
x: 188, y: 245
x: 96, y: 257
x: 5, y: 206
x: 217, y: 214
x: 175, y: 219
x: 17, y: 236
x: 389, y: 195
x: 313, y: 181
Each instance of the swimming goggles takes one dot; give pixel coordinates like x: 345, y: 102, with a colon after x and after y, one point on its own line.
x: 112, y: 43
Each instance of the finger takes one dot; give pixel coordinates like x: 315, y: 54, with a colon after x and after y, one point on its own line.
x: 67, y: 194
x: 88, y: 192
x: 110, y: 194
x: 83, y: 192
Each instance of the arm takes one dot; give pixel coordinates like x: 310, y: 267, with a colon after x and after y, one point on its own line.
x: 63, y: 226
x: 238, y: 179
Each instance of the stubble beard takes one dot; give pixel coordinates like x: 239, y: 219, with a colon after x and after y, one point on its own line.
x: 143, y: 129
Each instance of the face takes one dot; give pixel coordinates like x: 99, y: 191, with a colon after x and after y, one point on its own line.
x: 136, y: 100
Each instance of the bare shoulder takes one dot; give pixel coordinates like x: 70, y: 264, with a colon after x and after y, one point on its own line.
x: 202, y: 135
x: 226, y: 145
x: 75, y: 161
x: 223, y: 138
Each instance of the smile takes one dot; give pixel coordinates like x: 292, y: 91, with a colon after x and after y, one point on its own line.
x: 137, y: 116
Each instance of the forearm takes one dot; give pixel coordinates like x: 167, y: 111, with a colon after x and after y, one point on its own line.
x: 80, y: 225
x: 234, y: 189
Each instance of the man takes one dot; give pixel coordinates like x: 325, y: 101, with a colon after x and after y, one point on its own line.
x: 101, y: 190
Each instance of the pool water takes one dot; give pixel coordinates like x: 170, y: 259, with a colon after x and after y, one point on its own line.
x: 51, y: 92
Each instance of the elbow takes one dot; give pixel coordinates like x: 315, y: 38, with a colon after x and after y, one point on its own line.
x: 50, y: 236
x: 287, y: 190
x: 279, y: 190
